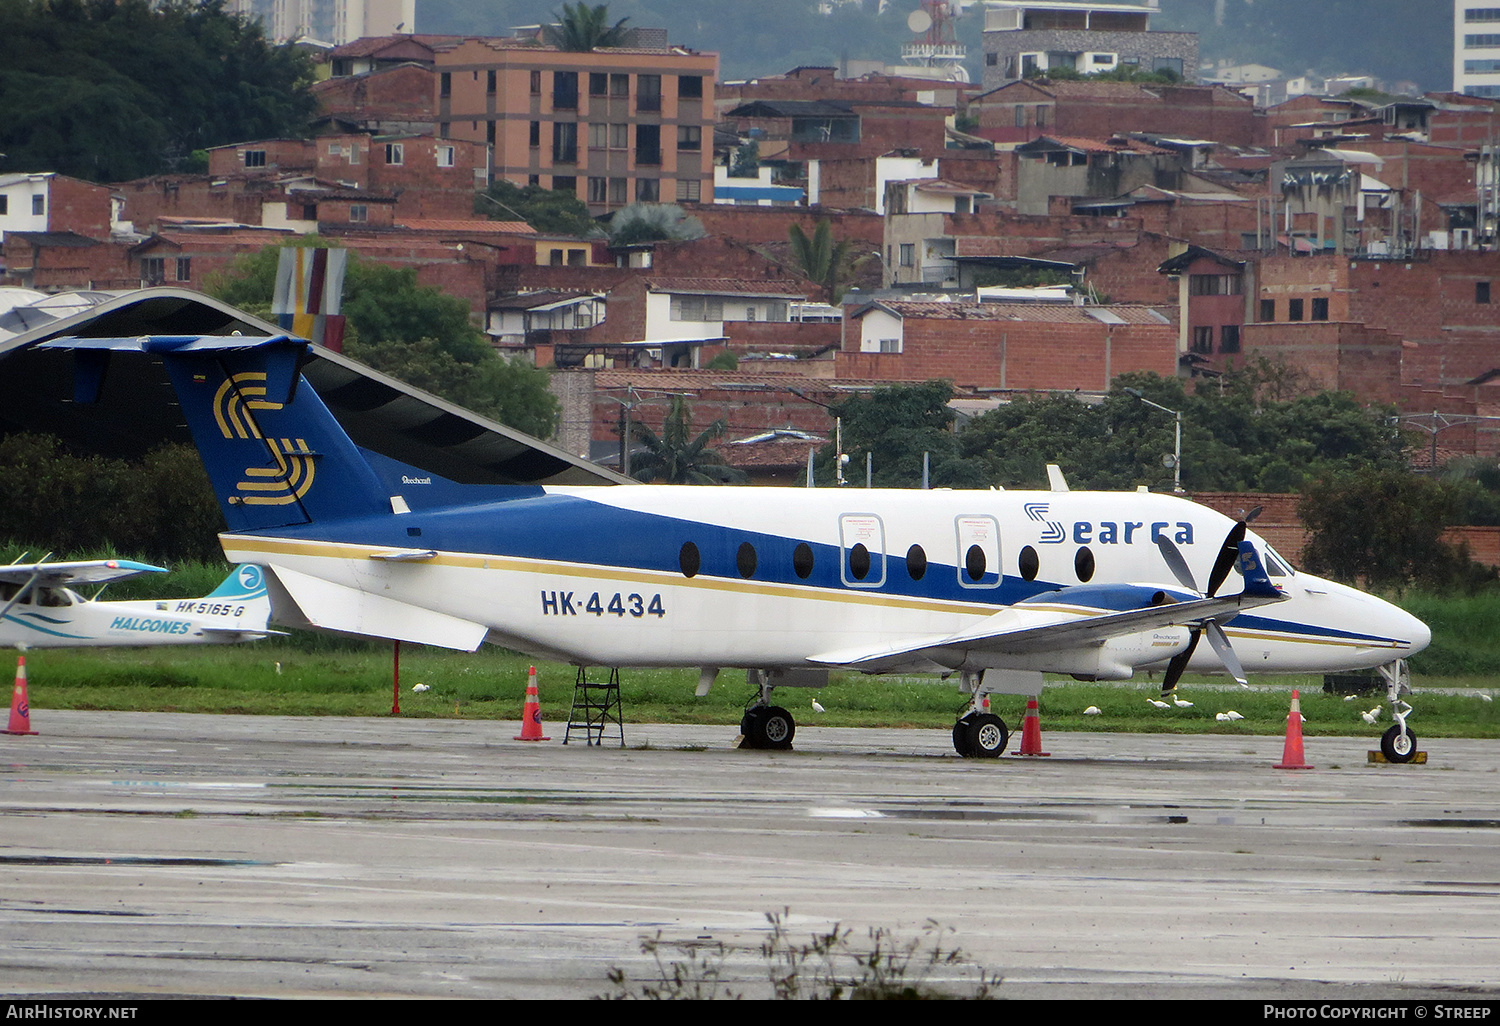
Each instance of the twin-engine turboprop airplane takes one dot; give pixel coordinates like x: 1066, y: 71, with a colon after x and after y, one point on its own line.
x: 998, y: 586
x: 39, y: 610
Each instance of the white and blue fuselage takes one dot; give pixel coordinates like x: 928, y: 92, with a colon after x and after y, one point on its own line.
x: 759, y: 577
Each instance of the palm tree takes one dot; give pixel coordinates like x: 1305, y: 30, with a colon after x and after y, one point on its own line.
x: 820, y: 260
x: 671, y: 459
x: 581, y: 28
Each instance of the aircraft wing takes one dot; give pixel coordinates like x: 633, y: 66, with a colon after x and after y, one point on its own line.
x: 88, y: 571
x: 1067, y: 619
x: 1041, y: 629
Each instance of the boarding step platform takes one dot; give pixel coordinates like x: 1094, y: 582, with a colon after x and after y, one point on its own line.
x: 596, y: 709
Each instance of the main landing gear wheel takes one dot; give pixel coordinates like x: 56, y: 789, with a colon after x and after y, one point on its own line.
x: 768, y: 726
x: 980, y: 736
x: 1398, y: 744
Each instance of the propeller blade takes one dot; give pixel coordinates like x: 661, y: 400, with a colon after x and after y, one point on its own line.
x: 1179, y: 662
x: 1220, y: 642
x: 1173, y: 556
x: 1227, y: 556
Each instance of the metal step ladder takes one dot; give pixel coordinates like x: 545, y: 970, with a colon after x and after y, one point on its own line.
x: 596, y: 709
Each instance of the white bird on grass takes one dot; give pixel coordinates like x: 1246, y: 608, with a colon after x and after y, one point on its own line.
x: 1228, y: 717
x: 1181, y: 703
x: 1159, y: 705
x: 1371, y: 715
x: 1092, y: 710
x: 818, y: 706
x: 419, y: 688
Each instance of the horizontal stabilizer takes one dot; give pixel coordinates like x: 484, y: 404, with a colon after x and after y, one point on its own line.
x: 334, y: 607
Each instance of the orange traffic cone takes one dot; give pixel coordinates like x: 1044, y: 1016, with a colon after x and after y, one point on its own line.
x: 1031, y: 731
x: 1291, y: 755
x: 20, y: 706
x: 531, y: 716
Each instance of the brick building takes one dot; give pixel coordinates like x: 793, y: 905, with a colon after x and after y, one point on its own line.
x: 60, y: 261
x: 50, y: 202
x: 1023, y: 111
x: 1006, y: 345
x: 1212, y: 300
x: 388, y: 100
x: 1421, y: 334
x: 614, y: 126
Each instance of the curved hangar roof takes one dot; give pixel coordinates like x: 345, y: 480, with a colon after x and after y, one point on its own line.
x: 137, y: 409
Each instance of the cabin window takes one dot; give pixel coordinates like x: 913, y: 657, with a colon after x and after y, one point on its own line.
x: 1029, y: 564
x: 974, y: 563
x: 1083, y: 564
x: 916, y: 562
x: 859, y: 562
x: 745, y: 560
x: 802, y: 560
x: 689, y: 560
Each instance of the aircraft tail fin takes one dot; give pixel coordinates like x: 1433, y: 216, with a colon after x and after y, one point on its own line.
x: 245, y: 582
x: 244, y: 589
x: 274, y: 452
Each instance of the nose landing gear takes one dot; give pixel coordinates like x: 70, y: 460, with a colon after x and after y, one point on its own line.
x: 1398, y: 744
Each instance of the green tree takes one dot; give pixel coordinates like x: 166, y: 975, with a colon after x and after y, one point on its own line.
x: 673, y: 458
x: 821, y: 260
x: 1233, y: 439
x: 901, y: 424
x: 160, y: 507
x: 581, y: 28
x: 746, y: 161
x: 1384, y: 528
x: 553, y: 211
x: 510, y: 391
x: 107, y: 90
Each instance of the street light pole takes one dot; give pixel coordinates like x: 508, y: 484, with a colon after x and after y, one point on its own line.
x: 1177, y: 438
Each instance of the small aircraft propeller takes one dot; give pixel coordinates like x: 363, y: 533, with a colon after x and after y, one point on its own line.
x: 1217, y: 639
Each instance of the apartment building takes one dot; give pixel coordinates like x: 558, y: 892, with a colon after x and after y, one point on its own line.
x: 1025, y: 37
x: 614, y: 126
x: 1476, y: 48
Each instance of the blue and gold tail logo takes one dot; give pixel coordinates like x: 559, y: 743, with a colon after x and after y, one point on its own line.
x: 292, y: 475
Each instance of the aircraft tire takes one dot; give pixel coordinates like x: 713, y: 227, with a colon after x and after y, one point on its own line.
x: 777, y: 728
x: 768, y: 727
x: 986, y: 736
x: 751, y: 727
x: 961, y: 743
x: 1398, y: 745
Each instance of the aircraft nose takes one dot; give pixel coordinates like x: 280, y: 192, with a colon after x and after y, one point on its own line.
x: 1419, y: 633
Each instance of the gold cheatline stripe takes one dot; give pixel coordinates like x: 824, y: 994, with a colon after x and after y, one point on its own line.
x: 336, y: 550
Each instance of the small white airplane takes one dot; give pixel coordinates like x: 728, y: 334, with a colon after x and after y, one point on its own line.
x: 998, y: 587
x: 39, y: 610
